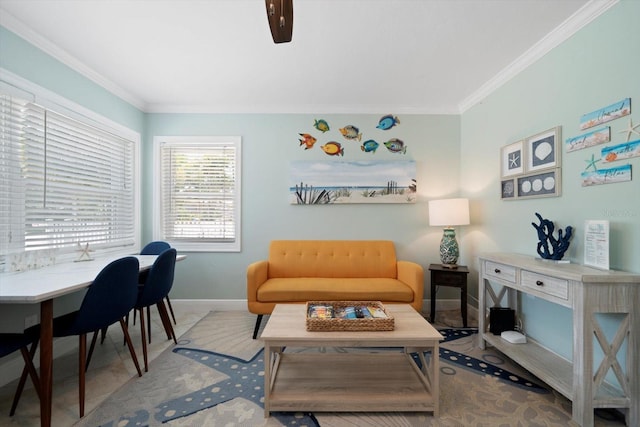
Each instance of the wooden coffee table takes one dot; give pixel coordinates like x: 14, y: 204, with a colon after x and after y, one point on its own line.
x: 356, y: 381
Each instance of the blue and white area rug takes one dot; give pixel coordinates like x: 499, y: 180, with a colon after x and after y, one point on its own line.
x: 215, y: 377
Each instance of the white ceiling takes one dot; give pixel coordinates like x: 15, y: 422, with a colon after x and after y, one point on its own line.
x: 351, y: 56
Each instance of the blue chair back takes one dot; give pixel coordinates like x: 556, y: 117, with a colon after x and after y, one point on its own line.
x: 110, y: 297
x: 155, y: 248
x: 14, y: 342
x: 160, y: 279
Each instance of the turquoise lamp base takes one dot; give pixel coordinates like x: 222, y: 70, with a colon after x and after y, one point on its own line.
x: 449, y: 251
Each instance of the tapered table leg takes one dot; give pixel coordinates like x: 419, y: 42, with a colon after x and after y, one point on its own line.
x: 46, y: 361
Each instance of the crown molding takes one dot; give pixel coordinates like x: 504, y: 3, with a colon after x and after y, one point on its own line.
x: 16, y: 26
x: 298, y: 109
x: 569, y: 27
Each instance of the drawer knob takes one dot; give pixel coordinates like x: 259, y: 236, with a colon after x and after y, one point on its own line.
x: 539, y: 283
x: 497, y: 270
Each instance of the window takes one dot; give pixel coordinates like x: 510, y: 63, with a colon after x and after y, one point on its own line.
x: 197, y: 193
x: 64, y: 181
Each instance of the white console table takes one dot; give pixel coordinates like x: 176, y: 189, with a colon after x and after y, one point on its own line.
x: 586, y: 291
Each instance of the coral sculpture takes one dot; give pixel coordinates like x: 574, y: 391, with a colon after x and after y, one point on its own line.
x: 549, y: 247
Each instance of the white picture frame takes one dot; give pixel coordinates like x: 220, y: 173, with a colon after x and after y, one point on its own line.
x: 545, y: 183
x: 542, y: 150
x: 512, y: 159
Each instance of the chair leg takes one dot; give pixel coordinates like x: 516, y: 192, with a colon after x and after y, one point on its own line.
x: 144, y: 340
x: 149, y: 323
x: 257, y: 327
x: 82, y: 354
x: 30, y: 370
x: 173, y: 316
x: 132, y: 351
x: 91, y: 348
x: 103, y: 334
x: 166, y: 322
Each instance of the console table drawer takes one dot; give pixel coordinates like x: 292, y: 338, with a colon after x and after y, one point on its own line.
x: 500, y: 271
x: 546, y: 284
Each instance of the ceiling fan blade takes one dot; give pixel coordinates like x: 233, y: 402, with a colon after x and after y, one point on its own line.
x: 280, y: 16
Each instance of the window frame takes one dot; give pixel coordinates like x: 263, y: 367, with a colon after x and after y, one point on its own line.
x: 18, y: 86
x: 157, y: 207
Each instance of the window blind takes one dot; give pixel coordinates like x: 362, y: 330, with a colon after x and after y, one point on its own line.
x: 64, y: 182
x: 199, y: 191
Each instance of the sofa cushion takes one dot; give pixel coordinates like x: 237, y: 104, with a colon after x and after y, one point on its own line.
x: 304, y: 289
x: 332, y: 258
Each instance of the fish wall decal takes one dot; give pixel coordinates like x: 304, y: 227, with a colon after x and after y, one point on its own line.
x: 351, y: 132
x: 333, y: 148
x: 395, y: 145
x: 321, y: 125
x: 307, y: 140
x: 387, y: 122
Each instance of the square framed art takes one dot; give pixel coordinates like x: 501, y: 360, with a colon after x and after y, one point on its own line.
x: 512, y: 159
x: 542, y: 150
x: 508, y: 189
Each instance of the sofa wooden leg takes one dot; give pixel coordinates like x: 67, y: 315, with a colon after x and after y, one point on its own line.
x: 255, y: 330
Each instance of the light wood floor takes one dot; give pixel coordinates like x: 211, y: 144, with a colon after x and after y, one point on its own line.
x: 110, y: 368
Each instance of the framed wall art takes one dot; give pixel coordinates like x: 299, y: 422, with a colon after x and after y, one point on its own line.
x: 330, y: 182
x: 539, y: 184
x: 542, y: 150
x: 508, y: 189
x: 512, y: 159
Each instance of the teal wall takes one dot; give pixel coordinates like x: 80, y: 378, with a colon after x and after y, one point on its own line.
x: 269, y: 143
x: 594, y: 68
x: 29, y: 62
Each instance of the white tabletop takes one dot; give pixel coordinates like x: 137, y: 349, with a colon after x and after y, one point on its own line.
x: 34, y: 286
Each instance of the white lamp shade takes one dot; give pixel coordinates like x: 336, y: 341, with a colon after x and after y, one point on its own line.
x: 449, y: 212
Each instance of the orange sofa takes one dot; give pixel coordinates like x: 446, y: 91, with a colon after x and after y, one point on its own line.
x: 298, y: 271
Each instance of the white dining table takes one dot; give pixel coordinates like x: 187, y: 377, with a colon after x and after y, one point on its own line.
x: 42, y: 286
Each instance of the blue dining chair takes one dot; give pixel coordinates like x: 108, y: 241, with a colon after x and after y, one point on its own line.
x: 152, y: 248
x: 110, y: 297
x: 10, y: 343
x: 156, y: 248
x: 154, y: 291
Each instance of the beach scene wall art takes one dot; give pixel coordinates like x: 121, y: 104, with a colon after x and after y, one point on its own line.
x: 622, y: 151
x: 589, y: 139
x: 606, y: 176
x: 614, y: 111
x: 330, y: 182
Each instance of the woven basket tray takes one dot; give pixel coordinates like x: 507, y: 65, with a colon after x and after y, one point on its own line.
x: 338, y: 325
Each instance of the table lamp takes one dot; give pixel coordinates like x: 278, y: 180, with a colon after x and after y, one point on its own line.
x: 448, y: 213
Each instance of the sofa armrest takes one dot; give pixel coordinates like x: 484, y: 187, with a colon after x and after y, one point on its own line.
x: 257, y: 274
x: 412, y: 274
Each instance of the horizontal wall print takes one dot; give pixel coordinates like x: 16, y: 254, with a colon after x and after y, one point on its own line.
x: 622, y: 151
x: 614, y: 111
x: 606, y: 176
x: 595, y: 137
x: 330, y: 182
